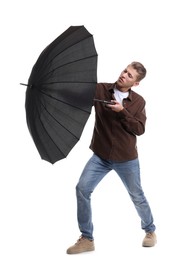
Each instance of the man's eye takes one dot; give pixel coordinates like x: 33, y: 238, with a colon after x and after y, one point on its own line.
x: 129, y: 75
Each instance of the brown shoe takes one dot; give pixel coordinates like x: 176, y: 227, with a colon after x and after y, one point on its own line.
x: 149, y: 240
x: 83, y: 244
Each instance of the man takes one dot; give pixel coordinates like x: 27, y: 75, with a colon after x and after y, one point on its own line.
x: 114, y: 148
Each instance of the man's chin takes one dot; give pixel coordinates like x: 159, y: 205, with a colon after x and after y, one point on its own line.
x: 119, y: 84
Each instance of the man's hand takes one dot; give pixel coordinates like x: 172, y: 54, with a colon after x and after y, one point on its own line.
x: 116, y: 107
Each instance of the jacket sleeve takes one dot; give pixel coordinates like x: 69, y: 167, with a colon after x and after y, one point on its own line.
x: 134, y: 124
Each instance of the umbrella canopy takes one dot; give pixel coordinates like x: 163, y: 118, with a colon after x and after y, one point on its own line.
x: 60, y: 91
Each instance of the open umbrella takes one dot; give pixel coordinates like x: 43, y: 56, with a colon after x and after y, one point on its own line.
x: 60, y: 91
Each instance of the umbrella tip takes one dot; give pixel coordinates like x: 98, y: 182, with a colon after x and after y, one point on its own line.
x: 26, y: 85
x: 23, y: 84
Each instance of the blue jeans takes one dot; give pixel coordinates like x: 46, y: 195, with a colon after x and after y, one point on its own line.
x: 93, y: 173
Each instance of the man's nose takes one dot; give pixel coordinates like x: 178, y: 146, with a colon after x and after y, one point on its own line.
x: 123, y: 74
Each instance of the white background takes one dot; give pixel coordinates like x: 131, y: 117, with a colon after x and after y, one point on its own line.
x: 37, y: 199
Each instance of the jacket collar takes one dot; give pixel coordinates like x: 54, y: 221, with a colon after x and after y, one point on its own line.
x: 111, y: 90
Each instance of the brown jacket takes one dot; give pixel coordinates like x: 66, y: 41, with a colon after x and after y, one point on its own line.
x: 114, y: 134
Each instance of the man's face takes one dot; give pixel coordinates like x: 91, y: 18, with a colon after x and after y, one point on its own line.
x: 127, y: 78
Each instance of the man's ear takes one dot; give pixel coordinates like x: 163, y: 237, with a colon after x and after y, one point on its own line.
x: 135, y: 84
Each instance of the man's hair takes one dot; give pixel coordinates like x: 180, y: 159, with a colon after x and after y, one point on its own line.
x: 141, y: 70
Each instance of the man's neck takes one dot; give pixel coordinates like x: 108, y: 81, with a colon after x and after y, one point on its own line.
x: 123, y: 89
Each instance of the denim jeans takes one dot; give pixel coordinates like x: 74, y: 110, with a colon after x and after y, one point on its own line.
x: 93, y: 173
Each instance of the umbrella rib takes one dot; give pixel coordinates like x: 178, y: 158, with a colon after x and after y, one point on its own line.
x: 55, y: 82
x: 66, y: 64
x: 58, y: 123
x: 46, y: 132
x: 48, y: 95
x: 49, y: 134
x: 87, y: 37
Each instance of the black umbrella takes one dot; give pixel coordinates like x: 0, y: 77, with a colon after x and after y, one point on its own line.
x: 60, y: 91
